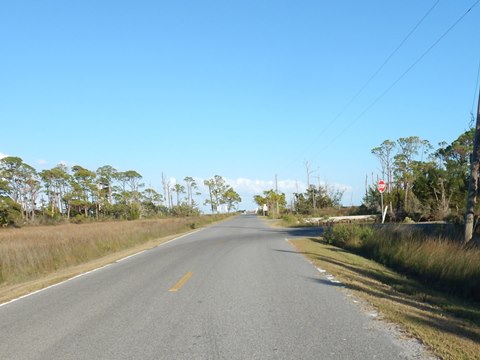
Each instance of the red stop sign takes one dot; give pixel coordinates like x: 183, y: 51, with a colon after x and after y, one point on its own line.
x: 381, y: 186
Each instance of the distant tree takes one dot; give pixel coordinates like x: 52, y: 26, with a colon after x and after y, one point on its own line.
x: 231, y: 198
x: 178, y: 189
x: 10, y: 211
x: 408, y: 148
x: 133, y: 180
x: 191, y: 189
x: 129, y: 192
x: 317, y: 197
x: 217, y: 188
x: 151, y: 195
x: 454, y: 161
x: 32, y: 190
x: 56, y: 185
x: 275, y: 202
x: 106, y: 176
x: 21, y: 183
x: 84, y: 188
x: 11, y: 174
x: 427, y: 185
x: 152, y: 202
x: 210, y: 185
x: 384, y: 153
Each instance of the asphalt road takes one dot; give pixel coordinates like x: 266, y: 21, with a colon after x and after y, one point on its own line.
x: 236, y: 290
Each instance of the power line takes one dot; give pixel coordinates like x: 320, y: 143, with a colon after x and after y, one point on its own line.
x: 378, y: 98
x: 373, y: 76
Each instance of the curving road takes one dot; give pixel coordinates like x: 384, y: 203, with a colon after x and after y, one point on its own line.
x: 235, y: 290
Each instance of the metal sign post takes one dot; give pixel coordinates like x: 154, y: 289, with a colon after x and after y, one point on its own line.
x: 381, y: 188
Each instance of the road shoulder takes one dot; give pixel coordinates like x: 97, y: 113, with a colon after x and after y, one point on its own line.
x: 407, y: 308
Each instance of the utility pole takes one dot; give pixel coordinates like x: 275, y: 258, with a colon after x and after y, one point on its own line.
x: 276, y: 193
x: 295, y: 201
x: 473, y: 184
x: 314, y: 196
x: 366, y: 187
x: 307, y: 167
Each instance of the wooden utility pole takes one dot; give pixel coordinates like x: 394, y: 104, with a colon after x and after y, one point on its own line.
x: 307, y: 167
x: 473, y: 184
x: 309, y: 172
x: 276, y: 193
x: 314, y: 196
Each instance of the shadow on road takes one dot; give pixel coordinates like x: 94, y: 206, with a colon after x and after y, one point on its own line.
x: 312, y: 231
x: 327, y: 282
x: 422, y: 304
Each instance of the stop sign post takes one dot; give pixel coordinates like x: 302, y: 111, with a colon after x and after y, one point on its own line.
x: 382, y: 186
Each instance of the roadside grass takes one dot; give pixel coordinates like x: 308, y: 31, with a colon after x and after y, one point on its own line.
x: 449, y: 326
x: 436, y: 258
x: 38, y: 256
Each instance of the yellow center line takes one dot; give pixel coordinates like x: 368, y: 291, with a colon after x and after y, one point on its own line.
x: 182, y: 281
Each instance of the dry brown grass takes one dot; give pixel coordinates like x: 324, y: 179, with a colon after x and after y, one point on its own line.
x: 32, y: 253
x: 449, y: 326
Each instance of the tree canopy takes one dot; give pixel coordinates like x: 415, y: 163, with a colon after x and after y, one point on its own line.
x: 423, y: 183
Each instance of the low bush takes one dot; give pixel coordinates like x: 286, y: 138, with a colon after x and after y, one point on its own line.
x: 290, y: 220
x: 346, y: 235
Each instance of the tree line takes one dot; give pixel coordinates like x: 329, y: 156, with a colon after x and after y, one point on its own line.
x: 62, y: 192
x: 423, y: 182
x: 310, y: 202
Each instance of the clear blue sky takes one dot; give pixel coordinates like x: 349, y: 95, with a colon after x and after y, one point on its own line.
x: 243, y: 89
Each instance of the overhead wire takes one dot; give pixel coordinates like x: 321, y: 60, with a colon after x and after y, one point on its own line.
x: 373, y: 76
x: 378, y: 98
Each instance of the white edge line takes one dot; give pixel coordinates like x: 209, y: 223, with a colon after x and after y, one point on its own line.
x: 130, y: 256
x: 54, y: 285
x: 93, y: 270
x: 180, y: 237
x: 331, y: 278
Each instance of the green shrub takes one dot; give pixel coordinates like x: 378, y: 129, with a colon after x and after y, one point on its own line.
x: 347, y: 235
x: 80, y: 219
x: 290, y: 220
x: 10, y: 212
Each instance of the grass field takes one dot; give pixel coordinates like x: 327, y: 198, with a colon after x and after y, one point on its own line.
x: 37, y: 256
x: 449, y: 326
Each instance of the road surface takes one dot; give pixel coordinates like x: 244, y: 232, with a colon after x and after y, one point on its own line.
x: 235, y: 290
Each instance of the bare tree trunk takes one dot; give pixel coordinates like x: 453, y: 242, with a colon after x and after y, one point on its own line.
x: 32, y: 204
x: 473, y: 184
